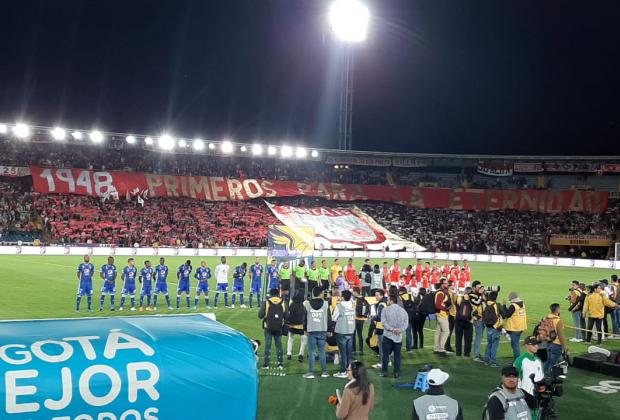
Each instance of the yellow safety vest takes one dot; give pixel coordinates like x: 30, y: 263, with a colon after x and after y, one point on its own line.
x: 518, y: 320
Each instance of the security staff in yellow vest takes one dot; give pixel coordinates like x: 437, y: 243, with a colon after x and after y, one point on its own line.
x: 516, y: 321
x: 558, y: 346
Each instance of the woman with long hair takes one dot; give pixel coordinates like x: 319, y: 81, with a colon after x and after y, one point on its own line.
x: 358, y: 398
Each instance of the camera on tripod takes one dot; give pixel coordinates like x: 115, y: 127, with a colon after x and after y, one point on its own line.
x: 549, y: 387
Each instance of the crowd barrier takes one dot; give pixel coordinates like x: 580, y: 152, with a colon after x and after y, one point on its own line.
x: 262, y: 252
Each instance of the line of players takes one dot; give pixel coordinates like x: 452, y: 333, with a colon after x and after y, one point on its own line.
x: 154, y: 282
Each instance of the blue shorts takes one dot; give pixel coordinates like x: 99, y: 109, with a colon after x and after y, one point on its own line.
x: 108, y: 289
x: 146, y: 291
x: 161, y: 288
x: 129, y: 289
x: 203, y: 287
x: 255, y: 287
x: 274, y: 285
x: 222, y: 287
x: 85, y: 289
x: 238, y: 286
x: 183, y: 287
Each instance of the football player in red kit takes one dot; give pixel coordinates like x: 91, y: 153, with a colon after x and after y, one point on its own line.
x: 395, y: 273
x: 350, y: 274
x: 446, y: 269
x: 419, y: 271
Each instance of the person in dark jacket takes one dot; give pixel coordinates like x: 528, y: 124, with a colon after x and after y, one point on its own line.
x: 362, y: 310
x: 418, y: 321
x: 264, y: 314
x: 294, y: 318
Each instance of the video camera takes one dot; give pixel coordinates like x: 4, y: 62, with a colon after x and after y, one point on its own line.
x: 492, y: 289
x: 547, y: 388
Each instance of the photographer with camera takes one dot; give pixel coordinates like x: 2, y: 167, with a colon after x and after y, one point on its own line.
x: 492, y: 318
x: 477, y: 299
x: 557, y: 342
x: 508, y: 401
x: 594, y: 309
x: 516, y: 321
x: 576, y: 298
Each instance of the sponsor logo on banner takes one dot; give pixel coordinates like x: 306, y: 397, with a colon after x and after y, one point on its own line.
x: 521, y: 259
x: 176, y: 251
x: 571, y: 167
x: 134, y: 251
x: 505, y: 258
x: 612, y: 264
x: 610, y: 167
x: 67, y: 250
x: 113, y: 250
x: 537, y: 260
x: 409, y: 162
x: 494, y: 169
x: 528, y: 167
x: 155, y: 251
x: 42, y: 250
x: 591, y: 263
x: 581, y: 240
x: 555, y: 261
x: 14, y: 171
x: 234, y: 251
x: 572, y: 261
x: 358, y: 160
x: 196, y: 252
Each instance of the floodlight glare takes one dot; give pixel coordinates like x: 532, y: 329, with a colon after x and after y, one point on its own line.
x: 271, y: 150
x: 130, y: 139
x: 301, y: 153
x: 349, y: 20
x: 286, y: 151
x: 211, y: 146
x: 166, y: 142
x: 198, y: 144
x: 58, y: 133
x: 182, y: 143
x: 21, y: 131
x: 244, y: 149
x: 257, y: 149
x: 3, y: 128
x: 96, y: 136
x: 315, y: 154
x: 227, y: 147
x: 148, y: 141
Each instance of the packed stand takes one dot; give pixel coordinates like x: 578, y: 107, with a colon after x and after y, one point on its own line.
x: 18, y: 220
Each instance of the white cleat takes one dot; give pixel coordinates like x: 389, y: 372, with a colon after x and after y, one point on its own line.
x: 232, y: 306
x: 243, y: 306
x: 132, y: 309
x: 170, y: 308
x: 121, y: 308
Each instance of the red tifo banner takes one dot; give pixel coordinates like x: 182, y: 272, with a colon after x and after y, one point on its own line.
x: 213, y: 188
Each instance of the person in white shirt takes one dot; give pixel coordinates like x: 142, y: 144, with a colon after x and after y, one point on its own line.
x: 529, y: 364
x: 221, y: 277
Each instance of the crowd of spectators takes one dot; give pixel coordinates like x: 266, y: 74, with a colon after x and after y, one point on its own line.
x: 18, y: 218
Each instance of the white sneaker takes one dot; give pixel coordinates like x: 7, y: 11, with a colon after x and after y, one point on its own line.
x: 170, y: 308
x: 377, y: 366
x: 243, y: 306
x: 308, y: 375
x: 325, y: 375
x: 340, y: 375
x: 154, y: 308
x: 132, y: 309
x: 120, y: 308
x: 232, y: 306
x: 576, y: 340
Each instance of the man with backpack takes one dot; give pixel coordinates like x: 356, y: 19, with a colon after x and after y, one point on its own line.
x: 318, y: 318
x: 294, y: 318
x: 577, y: 297
x: 366, y: 277
x: 492, y: 318
x: 362, y: 311
x: 442, y: 306
x: 557, y: 341
x: 410, y: 308
x: 272, y: 314
x: 516, y: 321
x: 508, y: 401
x: 463, y: 323
x: 344, y: 317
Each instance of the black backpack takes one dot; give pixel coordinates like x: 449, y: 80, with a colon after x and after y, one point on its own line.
x: 464, y: 311
x: 409, y: 306
x: 295, y: 314
x: 428, y: 304
x: 275, y: 317
x: 489, y: 315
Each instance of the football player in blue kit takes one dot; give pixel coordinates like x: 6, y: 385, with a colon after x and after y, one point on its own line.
x: 146, y: 278
x: 256, y: 275
x: 85, y: 277
x: 239, y: 284
x: 183, y: 274
x: 108, y: 274
x: 202, y: 274
x: 161, y: 284
x: 129, y: 284
x: 273, y: 275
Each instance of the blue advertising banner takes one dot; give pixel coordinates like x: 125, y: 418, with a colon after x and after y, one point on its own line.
x: 126, y: 368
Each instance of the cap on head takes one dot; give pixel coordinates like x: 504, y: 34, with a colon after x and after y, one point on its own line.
x: 437, y: 377
x: 531, y: 340
x: 510, y: 371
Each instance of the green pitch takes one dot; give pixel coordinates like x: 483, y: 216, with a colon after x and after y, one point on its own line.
x: 45, y: 286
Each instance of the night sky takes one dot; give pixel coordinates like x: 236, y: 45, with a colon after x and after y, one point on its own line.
x: 466, y: 76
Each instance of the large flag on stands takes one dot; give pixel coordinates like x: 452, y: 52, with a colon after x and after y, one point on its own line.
x: 342, y: 228
x: 290, y: 241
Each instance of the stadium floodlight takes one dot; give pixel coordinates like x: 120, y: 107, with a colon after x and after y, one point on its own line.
x: 58, y: 133
x: 257, y: 149
x: 227, y: 147
x: 271, y: 150
x: 21, y: 131
x: 286, y: 151
x: 315, y: 154
x: 211, y: 146
x: 130, y: 139
x: 148, y: 141
x: 349, y: 20
x: 198, y: 144
x: 76, y: 135
x: 182, y: 143
x: 96, y: 136
x: 3, y: 128
x: 165, y: 142
x: 301, y: 153
x: 244, y: 149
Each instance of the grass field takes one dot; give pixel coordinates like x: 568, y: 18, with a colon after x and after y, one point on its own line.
x: 44, y: 287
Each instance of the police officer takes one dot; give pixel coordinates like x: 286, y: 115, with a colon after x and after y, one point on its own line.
x: 436, y: 404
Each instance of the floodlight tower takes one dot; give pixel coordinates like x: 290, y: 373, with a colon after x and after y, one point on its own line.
x: 349, y: 22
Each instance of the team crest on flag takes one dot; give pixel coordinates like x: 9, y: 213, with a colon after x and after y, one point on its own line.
x: 285, y: 241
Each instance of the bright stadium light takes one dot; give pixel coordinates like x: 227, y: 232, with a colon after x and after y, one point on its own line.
x: 301, y: 153
x: 148, y: 141
x: 58, y: 133
x: 182, y: 143
x: 21, y: 131
x: 244, y: 149
x: 227, y: 147
x: 96, y: 136
x: 271, y: 150
x: 198, y: 144
x: 211, y: 146
x: 257, y: 150
x: 3, y: 128
x: 315, y: 154
x: 76, y: 135
x: 349, y: 20
x: 286, y: 151
x: 166, y: 142
x: 130, y: 139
